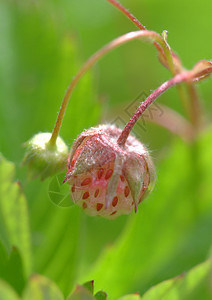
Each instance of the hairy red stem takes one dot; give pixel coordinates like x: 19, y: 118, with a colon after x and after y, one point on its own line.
x: 193, y: 112
x: 149, y: 100
x: 130, y: 16
x: 127, y: 13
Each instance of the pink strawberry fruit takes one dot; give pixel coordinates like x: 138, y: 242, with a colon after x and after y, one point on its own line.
x: 107, y: 179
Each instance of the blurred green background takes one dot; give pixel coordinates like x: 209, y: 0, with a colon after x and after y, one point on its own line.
x: 42, y: 45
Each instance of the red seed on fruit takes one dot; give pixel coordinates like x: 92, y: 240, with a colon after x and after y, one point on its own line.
x: 126, y: 191
x: 73, y: 189
x: 113, y: 213
x: 84, y: 205
x: 86, y: 181
x: 115, y: 201
x: 99, y: 206
x: 108, y: 174
x: 122, y: 178
x: 85, y: 195
x: 100, y: 173
x: 96, y: 193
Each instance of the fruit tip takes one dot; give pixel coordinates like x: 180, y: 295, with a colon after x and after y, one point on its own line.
x: 64, y: 181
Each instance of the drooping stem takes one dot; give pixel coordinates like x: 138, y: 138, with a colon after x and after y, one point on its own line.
x: 151, y: 35
x: 164, y: 51
x: 193, y: 108
x: 127, y: 13
x: 149, y: 100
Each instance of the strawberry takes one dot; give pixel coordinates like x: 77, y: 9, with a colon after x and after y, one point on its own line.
x: 105, y: 178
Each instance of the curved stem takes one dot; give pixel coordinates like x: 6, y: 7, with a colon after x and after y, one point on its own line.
x: 167, y: 50
x: 149, y: 100
x: 91, y: 61
x: 192, y: 111
x: 127, y: 13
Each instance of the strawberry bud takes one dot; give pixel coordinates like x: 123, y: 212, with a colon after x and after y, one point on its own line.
x: 42, y: 158
x: 107, y: 179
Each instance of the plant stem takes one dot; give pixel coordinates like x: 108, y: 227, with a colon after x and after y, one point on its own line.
x: 127, y: 13
x: 191, y: 108
x: 196, y: 109
x: 149, y: 100
x: 90, y: 62
x: 163, y: 50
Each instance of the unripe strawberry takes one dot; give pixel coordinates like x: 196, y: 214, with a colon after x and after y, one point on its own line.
x: 44, y: 159
x: 107, y: 179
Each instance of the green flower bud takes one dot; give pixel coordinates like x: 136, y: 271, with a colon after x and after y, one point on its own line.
x: 44, y: 159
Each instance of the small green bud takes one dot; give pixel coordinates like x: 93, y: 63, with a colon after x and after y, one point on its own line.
x: 43, y: 158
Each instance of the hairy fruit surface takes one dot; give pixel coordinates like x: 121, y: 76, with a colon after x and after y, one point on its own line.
x: 105, y: 178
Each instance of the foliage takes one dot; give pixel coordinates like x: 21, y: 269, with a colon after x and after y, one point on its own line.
x: 46, y: 251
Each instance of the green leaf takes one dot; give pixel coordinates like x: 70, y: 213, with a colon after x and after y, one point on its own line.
x: 191, y: 286
x: 6, y: 292
x: 131, y: 297
x: 90, y: 286
x: 14, y: 219
x: 81, y: 293
x: 41, y: 288
x: 85, y: 292
x: 11, y: 268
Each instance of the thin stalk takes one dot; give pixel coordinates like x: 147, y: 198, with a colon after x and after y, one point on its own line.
x: 149, y: 100
x: 166, y: 49
x: 127, y: 13
x: 90, y: 62
x: 196, y: 109
x: 167, y: 52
